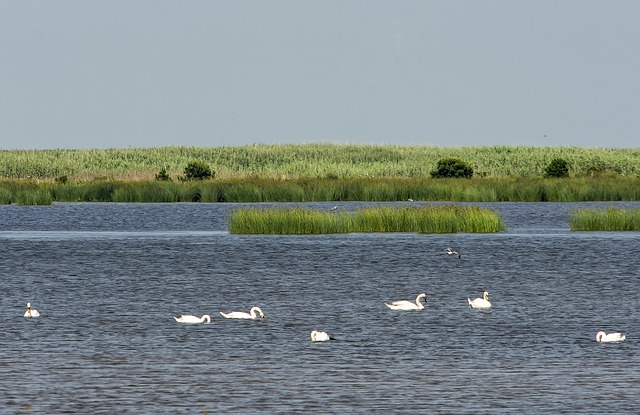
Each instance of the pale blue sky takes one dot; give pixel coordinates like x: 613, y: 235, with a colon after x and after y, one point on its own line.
x: 121, y: 73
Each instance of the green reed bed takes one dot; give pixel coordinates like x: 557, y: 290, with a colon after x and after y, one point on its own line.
x: 384, y: 189
x: 312, y: 161
x: 293, y: 221
x: 609, y: 219
x: 426, y: 219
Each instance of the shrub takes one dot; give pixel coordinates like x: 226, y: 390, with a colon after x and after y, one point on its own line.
x: 557, y: 168
x: 452, y: 167
x: 162, y: 175
x: 197, y: 170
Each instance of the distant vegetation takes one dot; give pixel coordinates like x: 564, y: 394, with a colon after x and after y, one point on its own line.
x: 313, y: 161
x: 320, y: 172
x: 452, y: 167
x: 557, y: 168
x: 318, y: 190
x: 427, y: 219
x: 609, y: 219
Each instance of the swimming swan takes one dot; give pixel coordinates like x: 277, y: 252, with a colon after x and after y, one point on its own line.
x: 603, y: 337
x: 408, y: 305
x: 191, y: 319
x: 241, y: 314
x: 480, y: 302
x: 320, y: 336
x: 30, y: 312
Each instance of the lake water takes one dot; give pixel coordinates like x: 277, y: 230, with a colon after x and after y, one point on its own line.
x: 108, y: 279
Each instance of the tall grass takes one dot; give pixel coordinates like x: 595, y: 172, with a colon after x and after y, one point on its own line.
x: 429, y: 219
x: 39, y: 197
x: 323, y: 189
x: 609, y: 219
x: 312, y: 161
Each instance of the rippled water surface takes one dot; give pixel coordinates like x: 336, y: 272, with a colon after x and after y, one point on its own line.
x: 108, y: 279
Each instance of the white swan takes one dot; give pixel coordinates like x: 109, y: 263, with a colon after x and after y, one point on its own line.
x: 408, y: 305
x: 603, y: 337
x: 320, y: 336
x: 253, y: 314
x: 480, y: 302
x: 191, y: 319
x: 30, y: 312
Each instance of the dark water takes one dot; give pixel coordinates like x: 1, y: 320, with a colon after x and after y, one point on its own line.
x: 108, y: 278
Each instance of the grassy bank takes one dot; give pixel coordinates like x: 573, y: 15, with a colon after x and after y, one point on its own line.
x: 312, y: 161
x: 609, y: 219
x: 429, y: 219
x: 319, y: 190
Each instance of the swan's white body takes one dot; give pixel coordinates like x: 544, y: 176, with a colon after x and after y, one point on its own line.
x: 31, y: 312
x: 191, y: 319
x: 480, y: 302
x: 408, y: 305
x: 603, y: 337
x: 253, y: 314
x: 319, y: 336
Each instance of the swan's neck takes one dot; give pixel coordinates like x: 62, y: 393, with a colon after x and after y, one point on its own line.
x: 418, y: 302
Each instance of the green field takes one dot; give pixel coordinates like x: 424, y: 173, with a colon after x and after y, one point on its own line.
x: 316, y: 172
x: 312, y: 161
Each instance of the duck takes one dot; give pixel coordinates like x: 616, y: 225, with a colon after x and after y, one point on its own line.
x: 452, y: 251
x: 191, y: 319
x: 480, y: 302
x: 603, y: 337
x: 31, y: 312
x: 408, y: 305
x: 320, y: 336
x: 253, y: 314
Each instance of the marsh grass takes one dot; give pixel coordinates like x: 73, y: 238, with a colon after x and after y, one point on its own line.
x: 312, y: 161
x: 609, y: 219
x: 38, y: 197
x: 426, y: 219
x: 292, y: 221
x: 322, y: 189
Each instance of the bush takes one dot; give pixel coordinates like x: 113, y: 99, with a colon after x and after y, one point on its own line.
x: 163, y: 176
x: 557, y: 168
x: 452, y: 167
x: 197, y: 170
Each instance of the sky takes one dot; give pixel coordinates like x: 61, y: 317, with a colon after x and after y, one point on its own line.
x: 79, y: 74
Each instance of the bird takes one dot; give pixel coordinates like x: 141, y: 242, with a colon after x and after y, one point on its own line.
x: 408, y: 305
x: 253, y: 314
x: 30, y: 312
x: 334, y: 208
x: 320, y: 336
x: 603, y: 337
x: 191, y: 319
x: 480, y: 302
x: 452, y: 251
